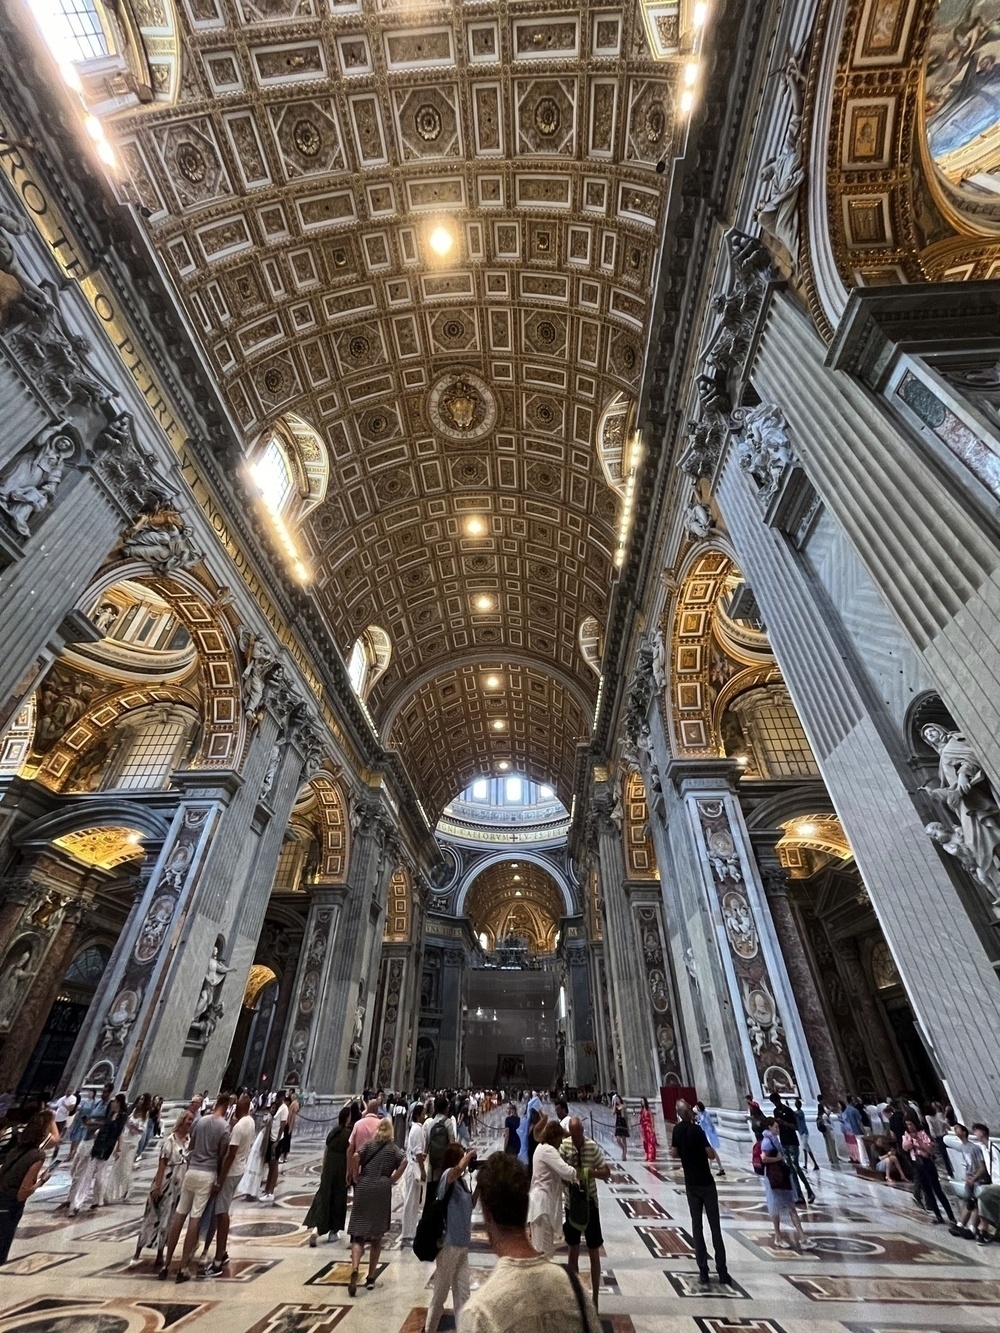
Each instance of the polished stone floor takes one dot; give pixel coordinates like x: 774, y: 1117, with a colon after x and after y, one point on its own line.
x: 878, y: 1265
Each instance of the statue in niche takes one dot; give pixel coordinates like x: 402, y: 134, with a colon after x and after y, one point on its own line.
x: 215, y: 974
x: 32, y: 479
x: 262, y: 672
x: 617, y: 815
x: 659, y: 661
x: 698, y: 522
x: 359, y: 1023
x: 271, y: 772
x: 967, y: 795
x: 206, y: 1023
x: 13, y: 982
x: 782, y: 176
x: 105, y: 616
x: 161, y: 540
x: 764, y: 448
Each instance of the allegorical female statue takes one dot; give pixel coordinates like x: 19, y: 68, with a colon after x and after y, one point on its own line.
x: 968, y: 796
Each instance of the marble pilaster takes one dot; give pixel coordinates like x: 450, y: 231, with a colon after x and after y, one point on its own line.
x: 337, y: 1056
x: 623, y: 954
x: 810, y: 1006
x: 298, y: 1065
x: 770, y: 1036
x: 919, y: 908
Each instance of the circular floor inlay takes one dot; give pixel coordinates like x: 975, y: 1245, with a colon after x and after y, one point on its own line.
x: 264, y: 1228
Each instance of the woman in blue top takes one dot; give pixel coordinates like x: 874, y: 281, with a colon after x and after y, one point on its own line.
x: 452, y: 1269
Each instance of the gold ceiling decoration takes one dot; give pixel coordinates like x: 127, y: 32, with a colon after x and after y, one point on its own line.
x: 531, y: 904
x: 260, y: 976
x: 432, y: 236
x: 805, y: 836
x: 104, y: 847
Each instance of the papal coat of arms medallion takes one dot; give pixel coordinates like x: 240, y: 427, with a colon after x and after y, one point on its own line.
x: 462, y: 406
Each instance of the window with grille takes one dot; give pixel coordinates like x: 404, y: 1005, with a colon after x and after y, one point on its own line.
x: 357, y: 668
x: 290, y: 863
x: 273, y: 474
x: 772, y: 724
x: 78, y: 29
x: 149, y: 759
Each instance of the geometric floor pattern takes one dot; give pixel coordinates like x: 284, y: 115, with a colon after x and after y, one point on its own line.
x: 878, y: 1266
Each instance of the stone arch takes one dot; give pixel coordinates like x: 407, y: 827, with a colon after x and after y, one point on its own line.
x: 95, y: 813
x: 58, y: 766
x: 330, y: 826
x: 879, y: 210
x: 516, y: 854
x: 527, y: 901
x: 225, y: 730
x: 697, y: 682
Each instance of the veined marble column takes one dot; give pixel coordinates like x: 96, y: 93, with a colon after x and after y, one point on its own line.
x: 450, y: 1060
x: 774, y: 877
x: 628, y: 987
x: 771, y: 1041
x: 337, y: 1059
x: 299, y: 1066
x: 387, y: 1048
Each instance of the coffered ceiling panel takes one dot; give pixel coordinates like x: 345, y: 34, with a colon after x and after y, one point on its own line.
x: 292, y: 192
x: 516, y: 898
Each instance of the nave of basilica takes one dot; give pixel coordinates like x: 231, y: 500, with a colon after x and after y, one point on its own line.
x: 500, y: 588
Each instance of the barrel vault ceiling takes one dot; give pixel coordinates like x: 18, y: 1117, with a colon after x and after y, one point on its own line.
x: 291, y: 192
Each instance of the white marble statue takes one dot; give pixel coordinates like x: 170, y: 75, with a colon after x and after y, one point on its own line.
x: 970, y: 798
x: 359, y: 1022
x: 14, y: 978
x: 763, y: 446
x: 782, y: 176
x: 271, y: 772
x: 659, y: 661
x: 215, y: 974
x: 698, y: 521
x: 105, y: 616
x: 32, y: 479
x: 162, y: 541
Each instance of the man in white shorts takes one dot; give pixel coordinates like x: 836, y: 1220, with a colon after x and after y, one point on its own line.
x: 241, y: 1137
x: 207, y: 1152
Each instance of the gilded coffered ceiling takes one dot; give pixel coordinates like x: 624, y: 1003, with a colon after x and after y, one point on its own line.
x: 516, y: 898
x: 292, y: 191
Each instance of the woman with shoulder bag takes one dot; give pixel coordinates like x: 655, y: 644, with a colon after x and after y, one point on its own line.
x: 778, y: 1196
x: 22, y: 1173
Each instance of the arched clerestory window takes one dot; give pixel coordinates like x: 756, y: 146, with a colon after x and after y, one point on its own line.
x: 368, y: 660
x: 290, y: 469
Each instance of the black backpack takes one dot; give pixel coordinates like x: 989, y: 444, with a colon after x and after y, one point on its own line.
x: 437, y: 1146
x: 429, y: 1235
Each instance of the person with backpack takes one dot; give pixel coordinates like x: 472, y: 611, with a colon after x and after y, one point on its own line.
x: 21, y: 1172
x: 583, y: 1216
x: 437, y: 1136
x: 375, y: 1170
x: 455, y: 1202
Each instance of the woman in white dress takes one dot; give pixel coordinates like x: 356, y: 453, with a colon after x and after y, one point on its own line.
x: 165, y: 1189
x: 549, y: 1173
x: 123, y: 1167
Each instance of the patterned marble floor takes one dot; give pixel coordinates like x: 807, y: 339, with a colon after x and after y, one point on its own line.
x: 878, y: 1267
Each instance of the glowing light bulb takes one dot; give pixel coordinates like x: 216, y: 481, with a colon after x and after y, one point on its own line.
x: 806, y: 830
x: 690, y: 72
x: 493, y: 682
x: 475, y: 527
x: 498, y: 725
x: 441, y: 240
x: 517, y: 879
x: 107, y: 154
x: 687, y: 101
x: 515, y: 865
x: 94, y: 128
x: 484, y: 603
x: 503, y: 766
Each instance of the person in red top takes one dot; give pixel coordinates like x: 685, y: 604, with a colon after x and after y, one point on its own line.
x: 362, y: 1134
x: 918, y: 1144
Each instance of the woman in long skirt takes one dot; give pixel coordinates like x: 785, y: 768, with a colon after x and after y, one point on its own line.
x: 381, y: 1164
x: 703, y: 1119
x: 647, y: 1131
x: 165, y: 1189
x: 328, y: 1210
x: 123, y: 1167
